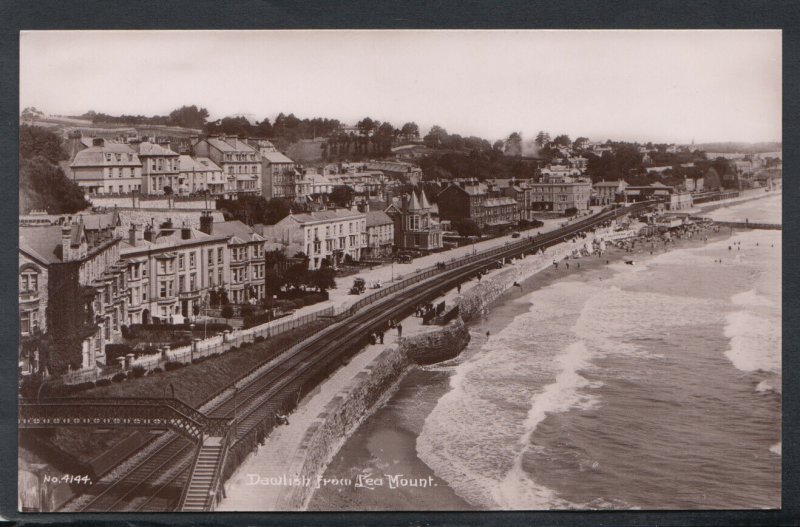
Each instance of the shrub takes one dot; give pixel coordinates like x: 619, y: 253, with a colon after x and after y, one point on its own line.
x: 157, y: 369
x: 103, y: 382
x: 571, y: 211
x: 119, y: 377
x: 227, y: 311
x: 259, y: 339
x: 298, y: 303
x: 246, y: 311
x: 113, y: 351
x: 138, y: 371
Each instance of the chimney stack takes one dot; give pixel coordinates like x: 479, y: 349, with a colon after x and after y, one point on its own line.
x: 206, y: 222
x: 66, y: 243
x: 98, y: 141
x: 148, y: 233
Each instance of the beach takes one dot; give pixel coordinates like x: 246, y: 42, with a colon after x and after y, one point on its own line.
x: 598, y: 387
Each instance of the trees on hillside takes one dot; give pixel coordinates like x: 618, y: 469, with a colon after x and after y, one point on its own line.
x: 542, y: 138
x: 188, y: 117
x: 410, y: 131
x: 42, y: 183
x: 513, y: 146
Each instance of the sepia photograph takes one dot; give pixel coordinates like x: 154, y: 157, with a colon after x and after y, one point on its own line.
x: 399, y: 270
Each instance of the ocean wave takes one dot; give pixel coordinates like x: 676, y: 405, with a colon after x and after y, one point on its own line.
x: 751, y: 298
x: 766, y: 386
x: 755, y: 342
x: 518, y: 490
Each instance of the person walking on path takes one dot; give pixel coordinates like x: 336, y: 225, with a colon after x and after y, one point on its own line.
x: 380, y: 336
x: 399, y: 330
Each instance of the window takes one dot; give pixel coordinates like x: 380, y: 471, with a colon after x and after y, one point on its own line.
x: 192, y: 260
x: 220, y: 281
x: 219, y: 255
x: 165, y: 288
x: 210, y: 277
x: 29, y: 282
x: 210, y: 257
x: 193, y: 282
x: 28, y: 320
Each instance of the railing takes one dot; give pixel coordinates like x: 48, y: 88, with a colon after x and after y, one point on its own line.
x: 216, y: 482
x: 136, y: 412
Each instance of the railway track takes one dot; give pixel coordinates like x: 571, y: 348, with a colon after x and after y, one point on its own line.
x: 257, y: 399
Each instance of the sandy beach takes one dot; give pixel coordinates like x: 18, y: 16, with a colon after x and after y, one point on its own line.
x: 386, y: 442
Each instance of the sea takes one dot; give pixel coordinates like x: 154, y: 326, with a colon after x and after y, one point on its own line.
x: 652, y: 386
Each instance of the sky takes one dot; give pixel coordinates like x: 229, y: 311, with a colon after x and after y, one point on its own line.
x: 660, y: 86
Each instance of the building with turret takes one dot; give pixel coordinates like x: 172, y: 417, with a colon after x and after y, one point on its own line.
x: 414, y: 226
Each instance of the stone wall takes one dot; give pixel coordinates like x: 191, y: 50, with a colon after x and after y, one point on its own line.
x: 476, y: 301
x: 342, y: 415
x: 372, y: 387
x: 437, y: 346
x: 151, y: 202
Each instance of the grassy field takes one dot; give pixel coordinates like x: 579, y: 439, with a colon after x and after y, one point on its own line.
x: 196, y: 383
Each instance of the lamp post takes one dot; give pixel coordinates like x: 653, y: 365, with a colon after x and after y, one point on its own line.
x: 191, y: 346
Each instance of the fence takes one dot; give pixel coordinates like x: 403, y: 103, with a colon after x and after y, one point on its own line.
x: 275, y: 327
x: 217, y: 344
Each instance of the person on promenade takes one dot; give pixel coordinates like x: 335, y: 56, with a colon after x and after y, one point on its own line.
x: 399, y: 330
x: 380, y: 336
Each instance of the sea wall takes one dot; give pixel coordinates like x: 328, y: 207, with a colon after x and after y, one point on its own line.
x: 373, y: 386
x: 342, y: 415
x: 368, y: 390
x: 475, y: 302
x: 437, y: 346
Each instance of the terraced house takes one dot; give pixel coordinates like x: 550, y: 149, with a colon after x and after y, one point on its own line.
x: 72, y: 294
x: 246, y: 257
x: 170, y: 271
x: 161, y: 169
x: 336, y: 235
x: 240, y: 163
x: 200, y: 174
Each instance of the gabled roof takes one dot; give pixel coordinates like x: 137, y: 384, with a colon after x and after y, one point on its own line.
x: 96, y: 156
x: 237, y: 232
x: 197, y: 164
x: 276, y: 157
x: 94, y: 222
x: 231, y: 144
x: 147, y: 148
x: 377, y: 217
x: 42, y: 242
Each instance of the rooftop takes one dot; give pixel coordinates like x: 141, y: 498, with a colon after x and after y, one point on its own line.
x: 197, y: 164
x: 378, y: 217
x: 325, y: 215
x: 276, y: 157
x: 147, y: 148
x: 96, y: 156
x: 230, y: 144
x: 237, y: 232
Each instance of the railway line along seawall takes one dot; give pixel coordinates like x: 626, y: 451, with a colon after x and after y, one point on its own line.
x: 376, y: 383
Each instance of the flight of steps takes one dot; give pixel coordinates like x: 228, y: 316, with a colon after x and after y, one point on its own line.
x: 197, y: 496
